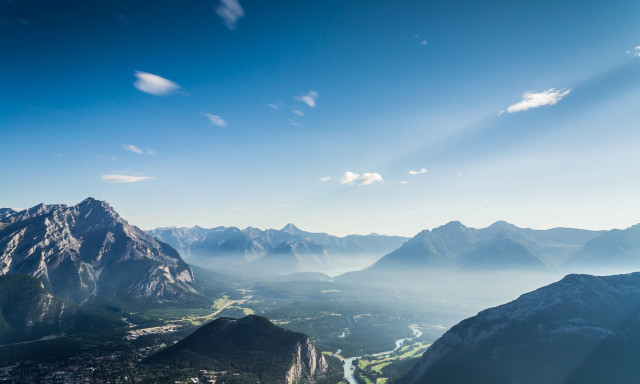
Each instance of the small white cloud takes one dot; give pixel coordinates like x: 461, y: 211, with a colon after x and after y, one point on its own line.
x: 325, y: 179
x: 154, y: 84
x: 349, y: 177
x: 367, y: 178
x: 419, y: 172
x: 297, y: 112
x: 309, y: 99
x: 119, y: 179
x: 60, y: 155
x: 501, y: 112
x: 274, y: 106
x: 215, y: 119
x: 635, y: 52
x: 138, y: 151
x: 402, y: 182
x: 538, y: 99
x: 420, y: 39
x: 230, y: 11
x: 370, y: 178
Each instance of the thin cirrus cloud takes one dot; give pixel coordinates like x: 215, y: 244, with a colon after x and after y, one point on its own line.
x: 137, y: 150
x: 325, y: 179
x: 537, y: 99
x: 418, y: 172
x: 122, y: 179
x: 154, y: 84
x: 215, y: 119
x: 368, y: 178
x: 309, y: 99
x: 295, y: 123
x: 230, y: 11
x: 297, y: 112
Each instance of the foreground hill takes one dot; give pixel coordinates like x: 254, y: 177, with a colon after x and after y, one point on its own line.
x: 88, y: 251
x: 29, y: 312
x: 251, y: 346
x: 286, y: 250
x: 583, y: 329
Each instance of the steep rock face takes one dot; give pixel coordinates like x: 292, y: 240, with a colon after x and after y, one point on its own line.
x: 87, y: 249
x: 582, y: 329
x: 307, y: 363
x: 251, y: 345
x: 29, y: 312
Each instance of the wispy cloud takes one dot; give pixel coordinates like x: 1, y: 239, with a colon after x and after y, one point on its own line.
x: 138, y: 151
x: 403, y: 182
x: 119, y: 179
x: 421, y: 41
x: 635, y: 52
x: 297, y: 112
x: 154, y: 84
x: 230, y: 11
x: 325, y: 179
x: 274, y: 106
x: 60, y: 155
x: 296, y: 123
x: 309, y: 99
x: 215, y: 119
x: 418, y: 172
x: 367, y: 178
x: 537, y: 99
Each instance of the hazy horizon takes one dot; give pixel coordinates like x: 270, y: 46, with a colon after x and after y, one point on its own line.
x: 132, y: 220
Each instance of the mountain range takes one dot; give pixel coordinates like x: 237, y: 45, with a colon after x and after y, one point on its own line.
x: 583, y: 329
x: 87, y: 252
x: 252, y: 347
x: 286, y: 250
x: 503, y: 246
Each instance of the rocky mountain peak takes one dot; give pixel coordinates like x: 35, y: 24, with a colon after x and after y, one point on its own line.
x: 291, y: 229
x: 87, y: 250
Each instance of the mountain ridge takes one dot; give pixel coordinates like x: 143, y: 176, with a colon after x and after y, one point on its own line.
x: 87, y: 250
x: 581, y: 329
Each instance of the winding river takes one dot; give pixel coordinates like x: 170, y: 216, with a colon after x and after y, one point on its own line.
x: 349, y: 368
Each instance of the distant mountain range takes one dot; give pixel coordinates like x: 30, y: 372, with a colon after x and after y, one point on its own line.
x: 581, y: 330
x: 503, y: 246
x: 286, y: 250
x: 29, y: 312
x: 87, y: 251
x: 251, y: 347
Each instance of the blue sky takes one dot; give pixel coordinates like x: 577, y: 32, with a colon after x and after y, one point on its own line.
x: 263, y: 113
